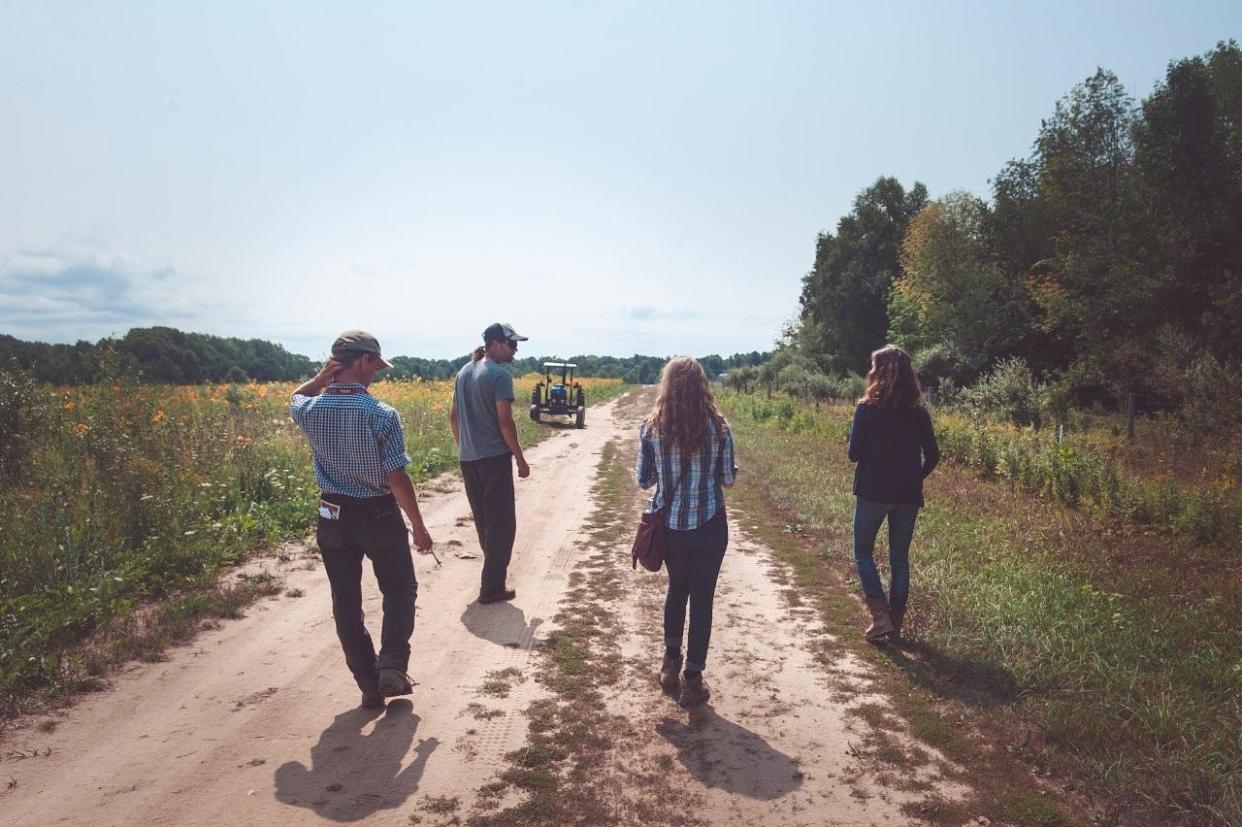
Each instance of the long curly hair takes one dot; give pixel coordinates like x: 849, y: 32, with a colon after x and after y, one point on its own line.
x: 684, y: 406
x: 892, y: 382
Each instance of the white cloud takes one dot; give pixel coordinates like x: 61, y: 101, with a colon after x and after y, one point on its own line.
x: 67, y: 295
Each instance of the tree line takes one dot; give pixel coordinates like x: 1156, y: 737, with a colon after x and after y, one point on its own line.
x: 165, y: 355
x: 158, y: 355
x: 1109, y: 260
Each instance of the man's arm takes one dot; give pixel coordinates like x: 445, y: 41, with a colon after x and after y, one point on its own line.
x: 403, y: 489
x: 508, y: 431
x: 315, y: 385
x: 453, y: 423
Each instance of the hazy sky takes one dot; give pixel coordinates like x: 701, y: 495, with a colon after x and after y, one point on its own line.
x: 610, y: 177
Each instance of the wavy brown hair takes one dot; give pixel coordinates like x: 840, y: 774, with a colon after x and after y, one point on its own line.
x: 892, y: 382
x: 684, y: 406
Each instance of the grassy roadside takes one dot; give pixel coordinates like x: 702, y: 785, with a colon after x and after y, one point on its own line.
x: 134, y: 503
x: 1106, y: 659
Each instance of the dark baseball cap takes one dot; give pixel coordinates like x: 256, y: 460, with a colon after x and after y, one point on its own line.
x: 501, y: 332
x: 354, y: 342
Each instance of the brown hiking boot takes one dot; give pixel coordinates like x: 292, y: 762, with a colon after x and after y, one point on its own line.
x: 372, y: 699
x: 881, y: 624
x: 694, y: 691
x: 669, y: 674
x: 896, y: 619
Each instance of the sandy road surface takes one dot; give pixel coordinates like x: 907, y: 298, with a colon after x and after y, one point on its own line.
x: 256, y: 722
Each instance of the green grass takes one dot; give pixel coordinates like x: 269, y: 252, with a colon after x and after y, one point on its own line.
x: 1115, y: 646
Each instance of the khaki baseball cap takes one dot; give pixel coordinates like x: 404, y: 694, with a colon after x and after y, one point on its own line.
x: 353, y: 342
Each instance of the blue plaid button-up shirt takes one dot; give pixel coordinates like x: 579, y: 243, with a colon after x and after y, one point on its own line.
x: 356, y: 439
x: 700, y: 495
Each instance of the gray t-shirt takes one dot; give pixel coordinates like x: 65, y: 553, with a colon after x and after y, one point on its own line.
x: 478, y: 387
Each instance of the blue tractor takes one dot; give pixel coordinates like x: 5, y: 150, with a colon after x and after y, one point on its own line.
x: 559, y: 398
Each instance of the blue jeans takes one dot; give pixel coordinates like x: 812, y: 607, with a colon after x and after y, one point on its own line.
x: 693, y: 561
x: 868, y: 516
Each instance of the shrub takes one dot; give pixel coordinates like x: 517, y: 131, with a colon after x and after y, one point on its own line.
x: 1009, y: 392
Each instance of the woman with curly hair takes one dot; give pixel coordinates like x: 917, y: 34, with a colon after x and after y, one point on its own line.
x: 893, y: 442
x: 687, y: 454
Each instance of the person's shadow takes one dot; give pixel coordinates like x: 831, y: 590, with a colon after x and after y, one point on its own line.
x: 354, y: 775
x: 720, y: 753
x: 501, y: 623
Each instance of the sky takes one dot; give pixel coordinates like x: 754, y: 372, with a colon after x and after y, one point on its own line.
x: 609, y: 177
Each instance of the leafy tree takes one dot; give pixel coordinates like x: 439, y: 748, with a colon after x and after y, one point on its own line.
x: 952, y: 290
x: 844, y: 314
x: 1188, y: 151
x: 1094, y: 292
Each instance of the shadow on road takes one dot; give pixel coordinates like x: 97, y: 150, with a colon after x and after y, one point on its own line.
x: 501, y: 623
x: 355, y: 774
x: 720, y: 753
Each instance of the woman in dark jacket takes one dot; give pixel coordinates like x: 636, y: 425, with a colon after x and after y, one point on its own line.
x: 893, y: 442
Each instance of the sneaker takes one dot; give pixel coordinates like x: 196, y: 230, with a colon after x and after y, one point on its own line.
x: 497, y: 597
x: 394, y: 682
x: 694, y: 692
x: 373, y: 700
x: 670, y: 674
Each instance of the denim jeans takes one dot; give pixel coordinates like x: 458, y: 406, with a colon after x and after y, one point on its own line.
x: 489, y: 489
x: 868, y: 516
x: 693, y: 561
x: 372, y: 528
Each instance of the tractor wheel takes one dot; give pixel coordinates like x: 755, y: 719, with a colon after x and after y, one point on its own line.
x: 580, y: 419
x: 534, y: 413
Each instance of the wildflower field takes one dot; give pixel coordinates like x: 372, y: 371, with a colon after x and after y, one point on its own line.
x: 119, y: 496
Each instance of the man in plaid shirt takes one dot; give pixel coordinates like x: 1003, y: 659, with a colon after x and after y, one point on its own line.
x: 360, y: 464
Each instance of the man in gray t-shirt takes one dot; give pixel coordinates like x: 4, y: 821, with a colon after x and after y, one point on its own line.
x: 486, y: 437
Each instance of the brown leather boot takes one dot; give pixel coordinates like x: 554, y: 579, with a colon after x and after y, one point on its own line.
x: 694, y: 691
x: 881, y: 624
x: 896, y: 618
x: 670, y: 672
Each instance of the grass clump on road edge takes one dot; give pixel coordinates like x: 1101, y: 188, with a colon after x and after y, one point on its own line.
x: 578, y: 659
x: 563, y: 770
x: 1104, y: 656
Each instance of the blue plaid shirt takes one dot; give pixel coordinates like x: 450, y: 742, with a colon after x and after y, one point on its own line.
x: 700, y: 495
x: 356, y: 439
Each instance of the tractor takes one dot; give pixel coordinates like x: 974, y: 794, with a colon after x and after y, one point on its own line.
x: 558, y: 394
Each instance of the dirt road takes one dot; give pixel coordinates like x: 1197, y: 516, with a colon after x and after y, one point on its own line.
x: 256, y: 722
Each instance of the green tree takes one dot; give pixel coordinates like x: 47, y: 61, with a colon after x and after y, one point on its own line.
x: 952, y: 289
x: 1095, y: 292
x: 1188, y: 151
x: 844, y: 313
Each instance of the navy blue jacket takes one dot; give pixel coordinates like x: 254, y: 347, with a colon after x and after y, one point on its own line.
x: 895, y: 449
